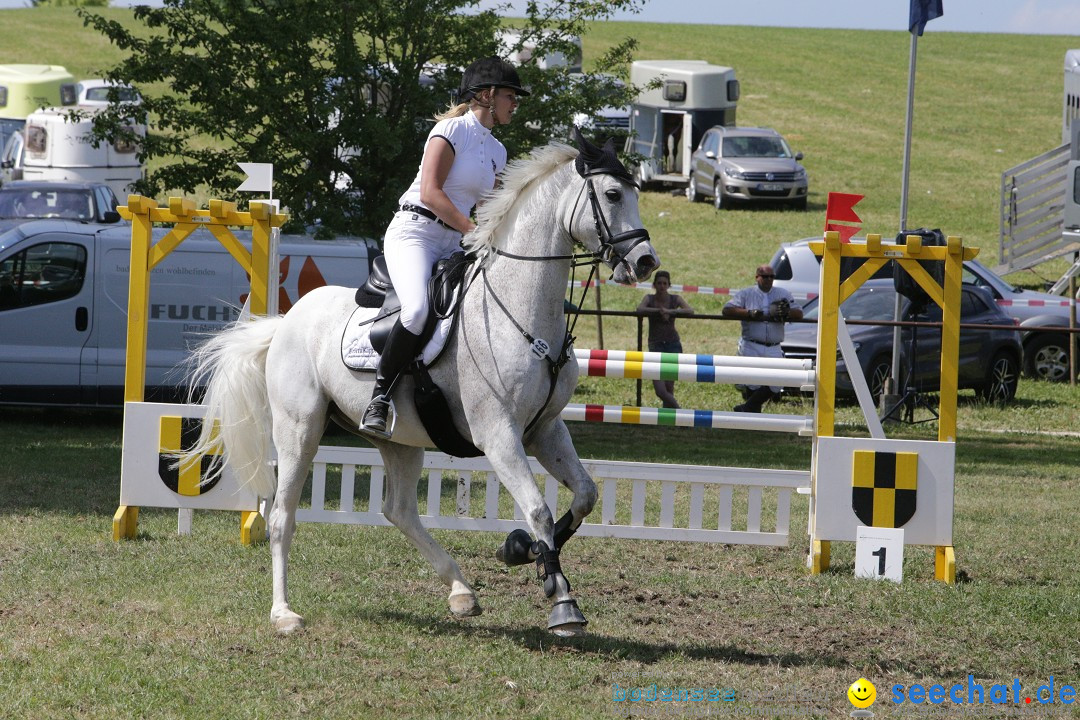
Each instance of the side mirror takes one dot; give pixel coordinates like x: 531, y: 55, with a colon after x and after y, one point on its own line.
x: 710, y: 154
x: 110, y: 216
x: 798, y: 156
x: 7, y: 164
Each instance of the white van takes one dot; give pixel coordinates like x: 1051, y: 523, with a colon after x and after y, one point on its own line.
x: 54, y: 147
x: 63, y: 305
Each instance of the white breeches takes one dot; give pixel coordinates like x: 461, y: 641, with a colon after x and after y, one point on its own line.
x: 411, y: 248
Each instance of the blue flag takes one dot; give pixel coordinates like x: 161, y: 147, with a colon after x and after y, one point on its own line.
x: 922, y: 12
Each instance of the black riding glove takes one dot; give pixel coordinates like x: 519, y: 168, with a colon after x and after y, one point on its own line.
x: 755, y: 315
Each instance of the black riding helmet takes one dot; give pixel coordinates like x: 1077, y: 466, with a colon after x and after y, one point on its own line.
x: 489, y: 72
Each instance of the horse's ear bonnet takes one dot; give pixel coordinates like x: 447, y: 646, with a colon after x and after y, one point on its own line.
x: 592, y: 160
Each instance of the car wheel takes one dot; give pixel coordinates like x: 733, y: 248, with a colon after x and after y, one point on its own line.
x: 1000, y: 385
x: 1046, y: 357
x: 692, y: 193
x: 799, y: 204
x: 718, y: 195
x: 877, y: 375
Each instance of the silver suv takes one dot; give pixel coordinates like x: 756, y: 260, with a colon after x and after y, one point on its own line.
x: 746, y: 164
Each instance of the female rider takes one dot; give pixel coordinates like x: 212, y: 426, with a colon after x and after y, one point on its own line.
x: 460, y: 163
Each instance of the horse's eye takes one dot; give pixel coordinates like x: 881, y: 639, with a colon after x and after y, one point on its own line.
x: 614, y: 194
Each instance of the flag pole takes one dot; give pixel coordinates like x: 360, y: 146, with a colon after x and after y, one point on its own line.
x: 907, y: 133
x: 889, y: 397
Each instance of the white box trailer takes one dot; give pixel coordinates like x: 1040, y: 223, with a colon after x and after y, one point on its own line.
x: 666, y: 122
x: 63, y: 305
x: 54, y: 147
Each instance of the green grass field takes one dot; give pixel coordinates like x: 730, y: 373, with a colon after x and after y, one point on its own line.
x: 178, y: 627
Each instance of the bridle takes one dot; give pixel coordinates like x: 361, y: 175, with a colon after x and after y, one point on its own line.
x: 608, y: 248
x: 607, y: 251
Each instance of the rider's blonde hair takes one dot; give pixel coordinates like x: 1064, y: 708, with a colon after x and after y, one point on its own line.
x: 462, y: 108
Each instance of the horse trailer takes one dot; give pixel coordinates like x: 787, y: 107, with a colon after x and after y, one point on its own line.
x: 681, y: 99
x: 54, y: 147
x: 25, y: 88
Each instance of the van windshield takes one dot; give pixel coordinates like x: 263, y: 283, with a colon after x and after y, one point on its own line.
x: 71, y: 204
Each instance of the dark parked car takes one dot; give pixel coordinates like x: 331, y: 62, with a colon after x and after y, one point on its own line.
x: 1046, y: 353
x: 746, y: 164
x: 989, y: 359
x: 22, y: 200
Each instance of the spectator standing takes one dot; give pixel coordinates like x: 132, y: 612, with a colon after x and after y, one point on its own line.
x: 661, y: 308
x: 763, y: 310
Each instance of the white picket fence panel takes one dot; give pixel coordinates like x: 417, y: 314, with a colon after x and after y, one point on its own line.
x: 717, y: 527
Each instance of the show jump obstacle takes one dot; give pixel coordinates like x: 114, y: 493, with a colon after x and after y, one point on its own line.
x: 153, y: 431
x: 875, y: 481
x: 851, y: 482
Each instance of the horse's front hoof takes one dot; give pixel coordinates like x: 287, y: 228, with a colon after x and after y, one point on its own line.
x: 287, y: 622
x: 568, y: 630
x: 464, y: 605
x: 566, y: 619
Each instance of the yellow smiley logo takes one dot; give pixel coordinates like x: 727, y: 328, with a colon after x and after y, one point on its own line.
x: 862, y: 693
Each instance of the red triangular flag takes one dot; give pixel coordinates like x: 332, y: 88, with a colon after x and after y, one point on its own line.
x: 842, y: 207
x: 846, y: 231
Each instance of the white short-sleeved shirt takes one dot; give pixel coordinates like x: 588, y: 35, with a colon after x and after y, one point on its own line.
x: 752, y: 298
x: 478, y: 158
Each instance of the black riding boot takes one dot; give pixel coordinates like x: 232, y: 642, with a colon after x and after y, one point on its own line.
x: 399, y: 352
x: 757, y: 398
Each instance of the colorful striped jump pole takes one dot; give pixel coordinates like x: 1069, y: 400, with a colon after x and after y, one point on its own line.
x: 601, y: 356
x: 752, y: 375
x: 803, y: 425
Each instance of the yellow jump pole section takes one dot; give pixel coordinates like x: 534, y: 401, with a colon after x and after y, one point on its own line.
x: 182, y: 214
x: 833, y: 294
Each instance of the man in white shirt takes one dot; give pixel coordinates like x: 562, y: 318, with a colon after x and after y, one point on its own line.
x: 763, y: 310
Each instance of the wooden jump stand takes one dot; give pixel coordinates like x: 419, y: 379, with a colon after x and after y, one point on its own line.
x: 833, y: 293
x: 182, y: 214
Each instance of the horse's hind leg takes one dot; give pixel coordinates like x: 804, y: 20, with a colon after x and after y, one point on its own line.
x: 403, y: 466
x: 296, y: 436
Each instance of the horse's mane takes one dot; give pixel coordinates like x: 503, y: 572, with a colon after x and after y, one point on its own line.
x: 519, y: 174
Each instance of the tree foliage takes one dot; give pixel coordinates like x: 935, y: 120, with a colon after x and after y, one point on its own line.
x: 329, y: 92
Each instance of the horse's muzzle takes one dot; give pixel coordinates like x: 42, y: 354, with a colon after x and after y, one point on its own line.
x: 635, y: 263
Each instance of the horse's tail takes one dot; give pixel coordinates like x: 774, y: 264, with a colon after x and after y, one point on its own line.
x: 231, y: 368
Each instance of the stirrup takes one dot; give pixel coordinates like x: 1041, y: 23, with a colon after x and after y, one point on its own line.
x: 375, y: 418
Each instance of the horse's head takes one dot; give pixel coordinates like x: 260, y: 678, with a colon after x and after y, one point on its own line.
x: 605, y: 218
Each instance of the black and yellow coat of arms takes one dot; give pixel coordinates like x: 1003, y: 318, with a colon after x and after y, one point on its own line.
x: 883, y: 487
x: 178, y: 434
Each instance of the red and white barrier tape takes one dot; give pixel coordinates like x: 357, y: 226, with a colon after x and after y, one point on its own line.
x: 686, y: 289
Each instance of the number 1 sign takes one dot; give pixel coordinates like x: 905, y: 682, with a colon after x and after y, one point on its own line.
x: 879, y: 553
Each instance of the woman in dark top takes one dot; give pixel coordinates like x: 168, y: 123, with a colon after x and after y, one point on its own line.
x: 661, y: 309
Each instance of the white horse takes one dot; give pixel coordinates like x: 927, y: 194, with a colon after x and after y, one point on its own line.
x: 285, y: 374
